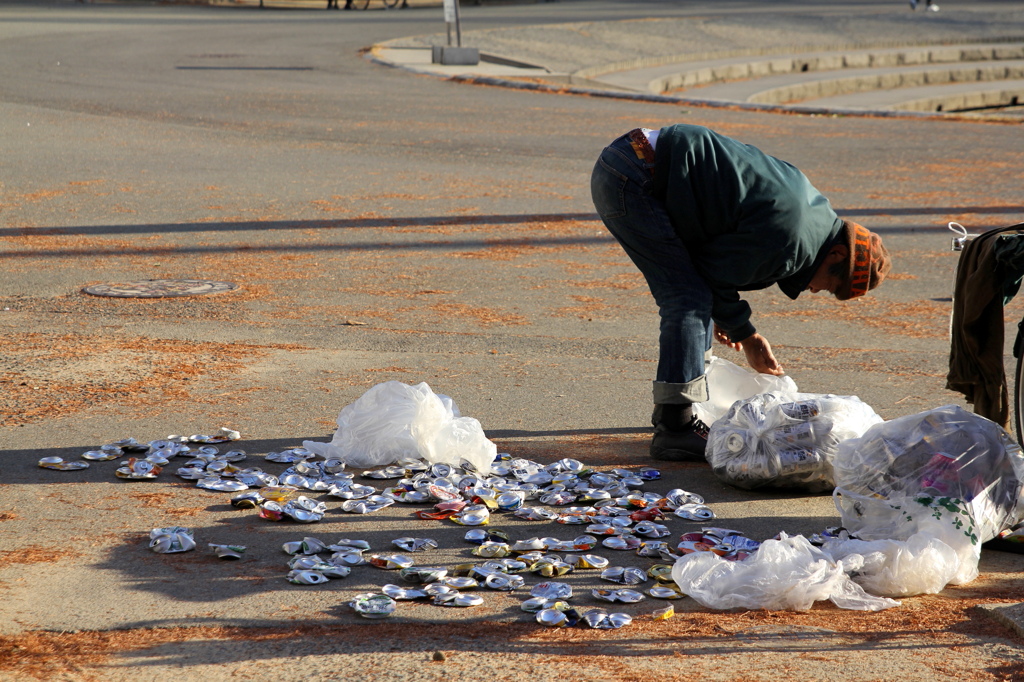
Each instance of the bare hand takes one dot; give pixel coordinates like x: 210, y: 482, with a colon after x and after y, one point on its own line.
x: 724, y: 339
x: 759, y: 355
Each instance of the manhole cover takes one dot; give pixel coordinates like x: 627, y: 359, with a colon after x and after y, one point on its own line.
x: 159, y: 288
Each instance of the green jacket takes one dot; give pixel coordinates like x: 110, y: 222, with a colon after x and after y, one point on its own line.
x: 749, y: 220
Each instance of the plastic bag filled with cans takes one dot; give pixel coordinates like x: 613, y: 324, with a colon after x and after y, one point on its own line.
x: 394, y: 421
x: 946, y: 472
x: 785, y: 440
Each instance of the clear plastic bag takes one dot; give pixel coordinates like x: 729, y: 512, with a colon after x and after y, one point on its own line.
x: 942, y: 454
x: 945, y: 473
x: 922, y: 564
x: 728, y: 382
x: 787, y: 573
x: 393, y: 421
x: 785, y: 440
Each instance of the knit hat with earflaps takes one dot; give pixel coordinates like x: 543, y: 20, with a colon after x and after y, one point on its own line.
x: 868, y: 263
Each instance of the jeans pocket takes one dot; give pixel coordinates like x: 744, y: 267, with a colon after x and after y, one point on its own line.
x: 607, y: 189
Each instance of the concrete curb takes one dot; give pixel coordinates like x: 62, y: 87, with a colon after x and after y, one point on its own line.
x: 586, y: 74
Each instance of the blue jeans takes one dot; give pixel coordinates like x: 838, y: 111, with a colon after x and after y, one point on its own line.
x: 621, y: 189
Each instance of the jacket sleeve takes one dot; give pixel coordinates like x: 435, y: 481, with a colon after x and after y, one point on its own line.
x: 731, y: 313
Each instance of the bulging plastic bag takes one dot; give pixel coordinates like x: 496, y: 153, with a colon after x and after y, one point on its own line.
x: 922, y: 564
x: 728, y: 382
x: 393, y: 421
x: 785, y: 440
x: 787, y: 573
x: 947, y: 473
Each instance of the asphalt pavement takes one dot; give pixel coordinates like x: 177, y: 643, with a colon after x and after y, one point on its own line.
x: 383, y: 223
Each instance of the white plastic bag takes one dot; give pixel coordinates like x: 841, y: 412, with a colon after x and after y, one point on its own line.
x: 785, y: 440
x: 728, y: 382
x: 787, y: 573
x: 922, y: 564
x: 393, y: 421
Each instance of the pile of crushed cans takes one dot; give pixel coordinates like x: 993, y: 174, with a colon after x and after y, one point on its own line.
x: 610, y: 507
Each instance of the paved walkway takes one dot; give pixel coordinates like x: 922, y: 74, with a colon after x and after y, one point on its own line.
x: 912, y: 65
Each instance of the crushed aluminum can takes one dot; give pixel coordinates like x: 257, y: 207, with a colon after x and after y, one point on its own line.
x: 250, y: 499
x: 305, y: 546
x: 389, y: 562
x: 423, y: 576
x: 604, y: 529
x: 304, y: 509
x: 386, y: 472
x: 584, y: 561
x: 552, y: 590
x: 535, y: 514
x: 458, y: 582
x: 373, y: 605
x: 649, y: 529
x: 509, y: 565
x: 479, y: 536
x: 504, y: 582
x: 289, y: 456
x: 665, y: 592
x: 451, y: 505
x: 624, y: 596
x: 438, y: 590
x: 414, y: 544
x: 138, y: 470
x: 333, y: 570
x: 399, y: 593
x: 557, y: 499
x: 348, y: 558
x: 491, y: 550
x: 257, y: 479
x: 677, y: 497
x: 664, y: 613
x: 101, y: 455
x: 366, y: 506
x: 127, y: 444
x: 652, y: 549
x: 529, y: 545
x: 629, y: 575
x: 650, y: 514
x: 280, y: 493
x: 600, y: 619
x: 304, y: 562
x: 555, y: 618
x: 58, y: 464
x: 351, y: 491
x: 695, y: 512
x: 648, y: 473
x: 170, y: 540
x: 442, y: 493
x: 661, y: 573
x: 537, y: 604
x: 349, y: 544
x: 622, y: 542
x: 473, y: 515
x: 458, y: 600
x: 510, y: 501
x: 551, y: 567
x: 271, y: 510
x: 221, y: 484
x: 228, y: 551
x: 583, y: 543
x: 191, y: 473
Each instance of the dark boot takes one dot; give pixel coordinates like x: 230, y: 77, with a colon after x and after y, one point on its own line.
x: 678, y: 435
